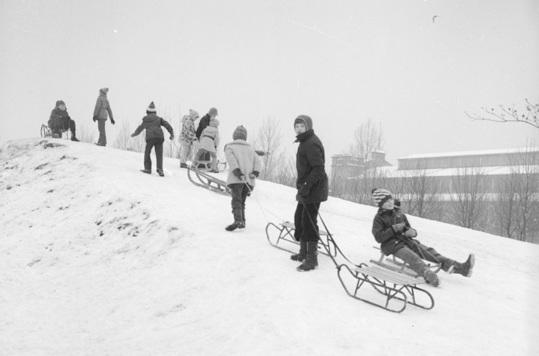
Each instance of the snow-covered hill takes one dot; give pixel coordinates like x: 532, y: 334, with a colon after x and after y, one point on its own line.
x: 97, y: 258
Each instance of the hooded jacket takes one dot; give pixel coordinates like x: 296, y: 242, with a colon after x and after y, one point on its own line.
x: 209, y: 139
x: 310, y: 161
x: 102, y: 106
x: 188, y: 130
x: 152, y: 124
x: 59, y: 118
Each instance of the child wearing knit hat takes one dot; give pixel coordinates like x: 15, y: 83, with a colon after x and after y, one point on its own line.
x: 187, y: 137
x: 245, y: 166
x: 396, y: 236
x: 209, y: 141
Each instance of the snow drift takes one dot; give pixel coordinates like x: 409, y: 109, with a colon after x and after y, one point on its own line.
x: 97, y: 258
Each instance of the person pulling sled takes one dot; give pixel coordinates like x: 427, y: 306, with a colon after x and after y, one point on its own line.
x: 245, y: 166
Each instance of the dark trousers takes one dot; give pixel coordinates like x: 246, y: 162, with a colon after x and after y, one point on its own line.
x: 102, y: 134
x: 158, y: 144
x: 306, y: 222
x: 416, y: 252
x: 239, y: 193
x: 66, y: 123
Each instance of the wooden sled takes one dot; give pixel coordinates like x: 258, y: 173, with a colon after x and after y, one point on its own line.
x: 207, y: 181
x: 391, y: 290
x: 285, y: 239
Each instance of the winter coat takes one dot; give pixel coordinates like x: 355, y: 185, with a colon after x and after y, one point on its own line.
x: 312, y: 181
x: 202, y: 124
x: 187, y: 137
x: 382, y: 229
x: 240, y: 154
x: 152, y: 124
x: 102, y: 107
x: 209, y: 140
x: 58, y: 119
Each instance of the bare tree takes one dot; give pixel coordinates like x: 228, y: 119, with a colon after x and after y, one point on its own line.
x: 285, y: 173
x: 468, y: 197
x: 368, y: 138
x: 529, y: 115
x: 84, y: 134
x: 269, y: 139
x: 422, y: 192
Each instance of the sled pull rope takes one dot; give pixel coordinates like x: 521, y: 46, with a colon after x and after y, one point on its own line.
x: 259, y: 205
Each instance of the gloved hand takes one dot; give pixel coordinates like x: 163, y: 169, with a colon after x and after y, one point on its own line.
x: 94, y: 118
x: 410, y: 233
x: 172, y: 137
x: 112, y: 121
x: 237, y: 173
x: 304, y: 190
x: 398, y: 227
x: 132, y: 135
x: 254, y: 174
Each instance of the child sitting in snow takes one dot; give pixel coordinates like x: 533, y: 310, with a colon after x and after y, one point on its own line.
x: 154, y: 138
x: 393, y: 231
x: 209, y: 140
x: 245, y: 166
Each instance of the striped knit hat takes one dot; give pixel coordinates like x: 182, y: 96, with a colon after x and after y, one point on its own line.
x: 380, y: 196
x: 151, y: 108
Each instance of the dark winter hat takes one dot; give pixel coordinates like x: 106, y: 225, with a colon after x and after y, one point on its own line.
x: 151, y: 108
x: 240, y: 133
x: 104, y: 90
x: 380, y: 196
x: 213, y: 111
x: 60, y: 102
x: 214, y: 123
x: 306, y: 120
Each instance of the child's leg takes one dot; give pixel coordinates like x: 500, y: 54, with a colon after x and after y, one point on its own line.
x: 147, y: 158
x: 236, y: 193
x: 159, y: 155
x: 431, y: 255
x: 213, y: 161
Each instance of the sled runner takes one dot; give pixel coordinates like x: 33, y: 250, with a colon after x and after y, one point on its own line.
x: 46, y: 131
x: 286, y: 241
x: 205, y: 180
x: 398, y: 289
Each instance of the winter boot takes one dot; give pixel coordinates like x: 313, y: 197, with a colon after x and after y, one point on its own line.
x: 431, y: 278
x: 74, y: 139
x: 238, y: 223
x: 160, y: 172
x: 146, y: 171
x: 302, y: 252
x: 465, y: 268
x: 183, y: 165
x: 311, y: 258
x: 243, y: 218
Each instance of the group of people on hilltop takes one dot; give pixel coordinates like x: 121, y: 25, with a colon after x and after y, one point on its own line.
x: 391, y: 227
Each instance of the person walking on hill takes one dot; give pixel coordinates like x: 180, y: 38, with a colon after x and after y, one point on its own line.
x: 396, y: 236
x: 208, y: 143
x: 101, y: 112
x: 312, y: 185
x: 245, y: 166
x: 205, y: 121
x: 60, y: 121
x: 154, y: 138
x: 187, y: 137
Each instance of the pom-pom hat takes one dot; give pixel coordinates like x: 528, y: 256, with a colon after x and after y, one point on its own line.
x: 240, y: 133
x: 151, y: 108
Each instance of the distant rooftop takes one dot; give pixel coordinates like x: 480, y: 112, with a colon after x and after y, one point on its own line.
x: 472, y: 153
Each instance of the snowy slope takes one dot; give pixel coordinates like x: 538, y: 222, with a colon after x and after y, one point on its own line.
x: 97, y: 258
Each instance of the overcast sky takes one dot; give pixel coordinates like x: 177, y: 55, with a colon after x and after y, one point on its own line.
x: 414, y: 66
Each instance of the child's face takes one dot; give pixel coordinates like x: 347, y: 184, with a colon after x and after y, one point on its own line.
x: 389, y: 204
x: 62, y: 107
x: 299, y: 128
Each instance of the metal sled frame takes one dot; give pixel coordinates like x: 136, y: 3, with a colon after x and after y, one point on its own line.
x: 286, y: 236
x: 207, y: 181
x: 399, y: 289
x: 47, y: 132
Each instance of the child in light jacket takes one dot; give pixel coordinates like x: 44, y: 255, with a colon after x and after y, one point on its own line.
x: 209, y: 141
x: 245, y: 166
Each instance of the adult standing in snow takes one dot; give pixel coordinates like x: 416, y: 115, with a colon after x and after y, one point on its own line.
x: 312, y: 185
x: 154, y: 138
x: 205, y: 121
x: 244, y: 166
x: 101, y: 112
x: 187, y: 137
x: 59, y: 121
x: 393, y: 231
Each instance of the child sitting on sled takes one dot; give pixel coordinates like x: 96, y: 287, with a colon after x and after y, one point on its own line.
x: 396, y: 236
x: 245, y: 166
x: 209, y: 140
x: 154, y: 138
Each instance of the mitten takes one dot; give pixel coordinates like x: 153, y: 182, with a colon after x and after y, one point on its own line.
x: 94, y: 118
x: 253, y: 174
x: 398, y: 227
x: 171, y: 137
x: 304, y: 190
x: 112, y: 121
x: 410, y: 233
x: 237, y: 173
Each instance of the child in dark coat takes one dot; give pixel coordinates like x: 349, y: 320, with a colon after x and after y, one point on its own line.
x: 154, y: 138
x: 245, y: 166
x: 396, y: 236
x: 60, y: 120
